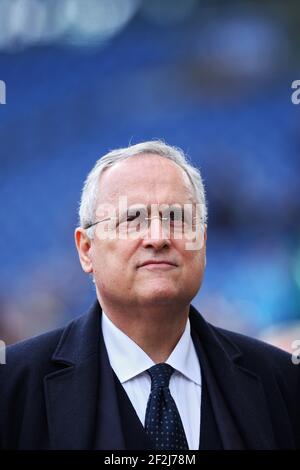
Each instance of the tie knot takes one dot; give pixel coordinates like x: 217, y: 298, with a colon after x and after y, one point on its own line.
x: 160, y: 375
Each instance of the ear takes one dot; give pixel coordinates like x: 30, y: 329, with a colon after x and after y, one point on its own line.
x: 83, y: 245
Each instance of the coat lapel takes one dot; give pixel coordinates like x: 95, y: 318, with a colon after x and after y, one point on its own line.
x: 242, y: 390
x: 81, y: 391
x: 227, y: 429
x: 109, y: 434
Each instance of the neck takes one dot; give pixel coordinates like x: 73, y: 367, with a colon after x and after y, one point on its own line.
x: 156, y: 330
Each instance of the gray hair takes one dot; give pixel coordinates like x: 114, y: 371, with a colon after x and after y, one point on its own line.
x: 157, y: 147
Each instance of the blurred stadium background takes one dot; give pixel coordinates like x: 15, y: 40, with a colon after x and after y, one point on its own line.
x: 213, y: 77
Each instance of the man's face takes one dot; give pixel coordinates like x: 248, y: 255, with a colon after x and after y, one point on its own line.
x: 118, y: 265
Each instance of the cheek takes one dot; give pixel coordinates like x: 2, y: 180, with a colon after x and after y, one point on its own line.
x: 194, y: 262
x: 110, y: 257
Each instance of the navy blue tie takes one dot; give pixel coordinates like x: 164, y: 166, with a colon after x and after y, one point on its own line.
x: 163, y: 423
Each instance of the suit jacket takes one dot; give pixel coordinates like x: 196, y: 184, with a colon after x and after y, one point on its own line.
x: 58, y: 390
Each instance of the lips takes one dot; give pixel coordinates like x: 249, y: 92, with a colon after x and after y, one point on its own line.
x: 157, y: 263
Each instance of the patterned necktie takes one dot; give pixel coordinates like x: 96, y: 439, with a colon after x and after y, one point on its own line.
x: 163, y: 423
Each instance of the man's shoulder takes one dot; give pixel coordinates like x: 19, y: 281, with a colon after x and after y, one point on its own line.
x: 41, y: 353
x: 33, y: 351
x: 256, y: 352
x: 237, y: 345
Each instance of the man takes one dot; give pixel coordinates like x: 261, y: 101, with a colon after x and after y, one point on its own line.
x: 142, y: 369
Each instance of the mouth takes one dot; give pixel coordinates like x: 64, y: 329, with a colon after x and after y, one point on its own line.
x: 158, y: 265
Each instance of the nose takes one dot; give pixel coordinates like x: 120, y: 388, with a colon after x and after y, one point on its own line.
x: 156, y: 236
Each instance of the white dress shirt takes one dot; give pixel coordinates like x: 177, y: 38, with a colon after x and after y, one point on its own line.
x: 130, y: 364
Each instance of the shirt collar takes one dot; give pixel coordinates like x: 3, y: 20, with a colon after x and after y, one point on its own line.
x: 128, y: 360
x: 184, y: 358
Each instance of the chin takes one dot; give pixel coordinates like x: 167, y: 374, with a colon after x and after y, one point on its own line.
x: 159, y: 295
